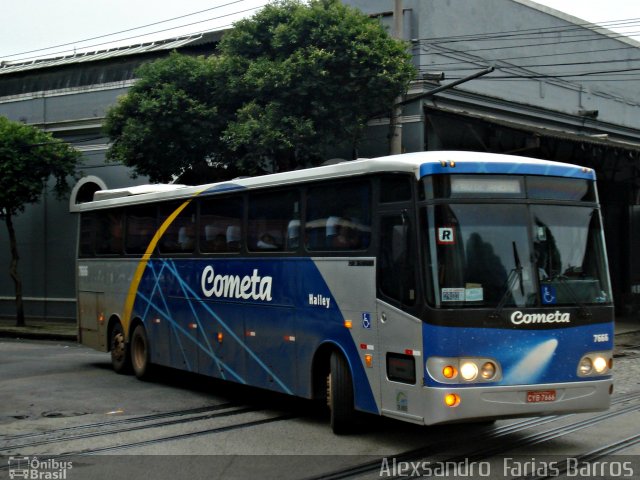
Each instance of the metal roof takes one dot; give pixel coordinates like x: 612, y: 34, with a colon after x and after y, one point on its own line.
x: 7, y: 66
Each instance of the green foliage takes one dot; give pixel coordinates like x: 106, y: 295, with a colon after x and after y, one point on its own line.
x: 28, y: 158
x: 168, y: 119
x: 284, y: 86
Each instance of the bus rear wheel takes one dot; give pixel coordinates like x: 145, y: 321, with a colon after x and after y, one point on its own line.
x: 140, y: 353
x: 340, y: 395
x: 120, y: 358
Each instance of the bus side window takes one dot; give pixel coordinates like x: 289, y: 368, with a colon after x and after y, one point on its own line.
x: 396, y: 261
x: 220, y: 221
x: 180, y: 236
x: 141, y: 226
x: 339, y: 216
x: 109, y: 232
x: 271, y: 222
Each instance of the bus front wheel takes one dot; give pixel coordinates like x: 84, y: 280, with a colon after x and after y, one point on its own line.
x: 120, y: 358
x: 340, y: 395
x: 140, y: 353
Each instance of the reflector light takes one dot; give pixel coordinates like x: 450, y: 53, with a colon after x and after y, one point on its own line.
x: 451, y: 400
x: 408, y: 351
x: 156, y: 321
x: 220, y: 337
x: 193, y: 326
x: 368, y: 360
x: 348, y: 323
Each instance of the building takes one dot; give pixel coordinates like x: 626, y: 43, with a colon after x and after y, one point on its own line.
x: 527, y: 87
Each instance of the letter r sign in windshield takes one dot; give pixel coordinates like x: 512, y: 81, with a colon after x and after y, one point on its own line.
x: 446, y: 236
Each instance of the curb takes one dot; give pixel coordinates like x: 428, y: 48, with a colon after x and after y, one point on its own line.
x: 35, y: 335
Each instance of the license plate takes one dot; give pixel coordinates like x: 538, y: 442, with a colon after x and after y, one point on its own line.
x: 539, y: 396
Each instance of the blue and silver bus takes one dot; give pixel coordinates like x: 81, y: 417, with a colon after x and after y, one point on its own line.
x: 429, y: 287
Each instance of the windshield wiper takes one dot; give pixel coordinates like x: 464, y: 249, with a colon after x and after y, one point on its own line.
x: 514, y: 275
x: 516, y: 259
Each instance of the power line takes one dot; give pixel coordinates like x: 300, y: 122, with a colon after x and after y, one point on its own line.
x: 567, y: 64
x: 521, y: 57
x: 121, y: 31
x: 505, y: 34
x: 151, y: 33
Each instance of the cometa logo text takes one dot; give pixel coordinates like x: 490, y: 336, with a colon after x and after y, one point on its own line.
x: 518, y: 318
x: 252, y: 287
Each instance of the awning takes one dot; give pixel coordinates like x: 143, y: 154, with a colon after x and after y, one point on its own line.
x: 604, y: 140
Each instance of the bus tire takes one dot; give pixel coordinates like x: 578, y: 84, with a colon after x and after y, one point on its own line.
x: 140, y: 353
x: 120, y: 356
x: 340, y: 395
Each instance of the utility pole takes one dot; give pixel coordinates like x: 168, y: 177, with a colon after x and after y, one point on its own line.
x: 395, y: 124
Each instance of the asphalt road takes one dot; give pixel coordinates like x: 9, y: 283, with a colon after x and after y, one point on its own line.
x: 61, y: 402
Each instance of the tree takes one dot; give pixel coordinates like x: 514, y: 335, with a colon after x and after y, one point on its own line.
x: 282, y: 88
x: 29, y: 157
x: 306, y: 78
x: 168, y: 122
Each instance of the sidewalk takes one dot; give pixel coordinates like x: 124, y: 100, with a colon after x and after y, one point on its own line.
x: 39, y: 329
x: 67, y: 330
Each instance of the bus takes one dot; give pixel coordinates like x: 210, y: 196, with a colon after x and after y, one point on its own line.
x: 430, y: 287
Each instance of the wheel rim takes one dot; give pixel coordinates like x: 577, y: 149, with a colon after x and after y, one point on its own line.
x: 117, y: 347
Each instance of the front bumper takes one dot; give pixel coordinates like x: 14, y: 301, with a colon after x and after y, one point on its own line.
x: 484, y: 403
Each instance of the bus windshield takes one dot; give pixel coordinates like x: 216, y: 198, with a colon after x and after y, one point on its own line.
x: 516, y: 255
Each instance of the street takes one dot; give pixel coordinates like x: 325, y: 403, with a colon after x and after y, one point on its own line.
x: 63, y: 405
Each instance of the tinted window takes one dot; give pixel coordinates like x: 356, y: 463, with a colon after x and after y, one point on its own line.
x: 141, y: 226
x: 221, y: 225
x: 396, y: 277
x: 180, y: 235
x: 109, y: 232
x: 274, y: 222
x: 87, y: 221
x: 554, y: 188
x: 339, y: 216
x: 395, y: 188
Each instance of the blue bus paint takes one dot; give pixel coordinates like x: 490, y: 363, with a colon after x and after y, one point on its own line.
x: 507, y: 168
x: 527, y: 357
x: 172, y: 290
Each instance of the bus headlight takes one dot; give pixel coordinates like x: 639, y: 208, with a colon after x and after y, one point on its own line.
x: 600, y: 364
x: 585, y: 366
x: 452, y: 370
x: 488, y: 370
x: 595, y: 363
x: 469, y: 371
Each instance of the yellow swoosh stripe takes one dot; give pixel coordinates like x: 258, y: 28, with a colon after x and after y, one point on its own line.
x: 142, y: 265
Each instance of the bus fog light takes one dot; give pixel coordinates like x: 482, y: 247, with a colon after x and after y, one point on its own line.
x: 469, y: 371
x: 451, y: 400
x: 585, y: 366
x: 600, y: 364
x: 488, y: 370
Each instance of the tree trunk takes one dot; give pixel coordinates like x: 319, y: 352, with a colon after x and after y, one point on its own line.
x: 13, y: 271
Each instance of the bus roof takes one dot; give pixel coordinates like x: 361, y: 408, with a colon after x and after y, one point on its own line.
x: 419, y: 163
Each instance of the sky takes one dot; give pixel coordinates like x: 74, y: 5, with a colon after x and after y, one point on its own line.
x: 46, y: 28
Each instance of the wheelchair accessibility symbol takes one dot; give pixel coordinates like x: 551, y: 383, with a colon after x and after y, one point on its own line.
x: 366, y: 320
x: 549, y: 296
